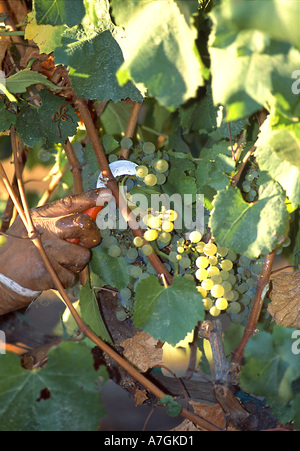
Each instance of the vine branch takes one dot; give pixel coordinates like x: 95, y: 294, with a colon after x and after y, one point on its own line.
x: 131, y: 124
x: 250, y: 328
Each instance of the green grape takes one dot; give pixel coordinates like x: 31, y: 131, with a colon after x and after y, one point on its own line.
x: 226, y: 265
x: 217, y: 291
x: 114, y: 251
x: 195, y: 237
x: 142, y: 171
x: 132, y: 253
x: 180, y: 249
x: 234, y: 307
x: 173, y: 257
x: 112, y: 158
x: 138, y: 241
x: 109, y: 241
x: 147, y: 249
x: 245, y: 300
x: 207, y: 284
x: 185, y: 263
x: 125, y: 294
x: 202, y: 291
x: 171, y: 215
x: 161, y: 178
x: 44, y: 155
x: 213, y: 260
x: 222, y: 251
x: 150, y: 180
x: 217, y: 279
x: 126, y: 143
x: 242, y: 288
x: 229, y: 295
x: 148, y: 148
x: 213, y: 271
x: 121, y: 315
x: 210, y: 249
x: 202, y: 262
x: 200, y: 247
x: 221, y: 303
x: 214, y: 311
x: 151, y: 235
x: 161, y: 166
x: 246, y: 187
x: 167, y: 226
x: 154, y: 222
x: 226, y: 285
x: 201, y: 274
x: 224, y: 274
x: 136, y: 272
x: 165, y: 237
x: 208, y: 303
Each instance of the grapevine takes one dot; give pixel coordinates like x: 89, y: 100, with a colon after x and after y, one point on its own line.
x: 205, y: 110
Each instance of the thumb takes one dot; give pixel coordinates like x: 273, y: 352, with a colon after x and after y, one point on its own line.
x: 75, y: 204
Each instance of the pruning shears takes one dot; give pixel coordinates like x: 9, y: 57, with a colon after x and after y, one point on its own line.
x: 118, y: 168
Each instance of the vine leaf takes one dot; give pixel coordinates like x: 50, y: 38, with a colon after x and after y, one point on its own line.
x: 59, y: 397
x: 46, y: 37
x: 272, y: 370
x: 168, y: 313
x: 93, y: 62
x: 20, y: 81
x: 285, y: 305
x: 165, y: 61
x: 36, y: 125
x: 59, y: 12
x: 250, y: 229
x: 91, y: 314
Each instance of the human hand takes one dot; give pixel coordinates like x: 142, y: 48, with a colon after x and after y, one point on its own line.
x: 56, y: 223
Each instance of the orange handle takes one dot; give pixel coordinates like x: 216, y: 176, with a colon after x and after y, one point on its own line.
x: 92, y: 213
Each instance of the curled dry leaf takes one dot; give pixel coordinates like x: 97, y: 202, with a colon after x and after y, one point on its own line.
x: 214, y: 414
x: 141, y: 351
x: 140, y: 397
x: 285, y: 297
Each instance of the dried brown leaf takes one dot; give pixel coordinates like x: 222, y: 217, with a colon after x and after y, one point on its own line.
x: 285, y: 297
x: 140, y: 397
x: 141, y: 351
x: 214, y: 414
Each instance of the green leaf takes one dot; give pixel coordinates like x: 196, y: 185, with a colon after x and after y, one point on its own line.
x: 93, y: 62
x: 35, y: 125
x: 270, y: 369
x: 173, y: 407
x: 91, y: 314
x: 252, y: 49
x: 60, y: 397
x: 112, y: 271
x: 168, y: 314
x: 6, y: 117
x: 46, y: 37
x: 278, y: 152
x: 250, y: 229
x: 165, y: 61
x: 59, y: 12
x: 18, y: 82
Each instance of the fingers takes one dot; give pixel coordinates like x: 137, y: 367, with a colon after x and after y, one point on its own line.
x: 75, y: 204
x: 78, y: 226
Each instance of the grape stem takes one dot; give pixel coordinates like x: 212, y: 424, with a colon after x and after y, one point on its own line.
x: 131, y: 124
x: 250, y: 328
x: 154, y: 260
